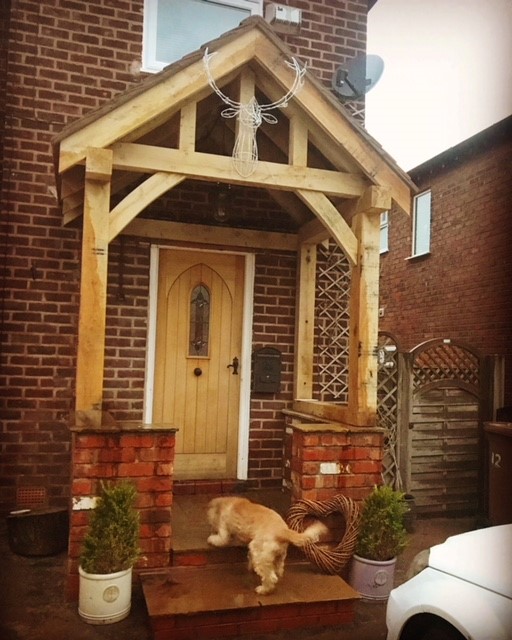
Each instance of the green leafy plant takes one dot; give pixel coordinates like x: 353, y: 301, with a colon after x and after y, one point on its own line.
x: 112, y: 541
x: 382, y: 533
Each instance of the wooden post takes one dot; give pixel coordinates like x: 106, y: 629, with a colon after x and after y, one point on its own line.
x: 93, y: 287
x: 364, y: 309
x: 305, y: 329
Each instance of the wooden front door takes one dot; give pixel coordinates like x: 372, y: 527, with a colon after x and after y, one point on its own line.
x: 198, y: 348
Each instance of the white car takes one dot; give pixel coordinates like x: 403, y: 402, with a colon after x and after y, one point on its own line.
x: 464, y: 591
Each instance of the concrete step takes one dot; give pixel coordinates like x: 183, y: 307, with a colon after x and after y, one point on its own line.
x: 218, y: 600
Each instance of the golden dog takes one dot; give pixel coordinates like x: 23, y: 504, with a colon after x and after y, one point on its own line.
x: 263, y: 530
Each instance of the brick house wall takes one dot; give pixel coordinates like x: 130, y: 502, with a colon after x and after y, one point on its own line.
x: 463, y: 289
x: 65, y: 58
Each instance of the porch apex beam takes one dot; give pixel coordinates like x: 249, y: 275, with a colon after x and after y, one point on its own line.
x: 149, y: 109
x: 331, y: 219
x: 205, y: 166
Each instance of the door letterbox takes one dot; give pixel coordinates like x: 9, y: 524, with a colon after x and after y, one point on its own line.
x: 266, y: 370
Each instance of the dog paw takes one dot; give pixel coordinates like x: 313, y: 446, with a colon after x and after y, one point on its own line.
x: 263, y: 591
x: 215, y: 540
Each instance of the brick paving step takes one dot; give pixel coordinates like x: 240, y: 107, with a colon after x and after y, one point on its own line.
x: 218, y: 600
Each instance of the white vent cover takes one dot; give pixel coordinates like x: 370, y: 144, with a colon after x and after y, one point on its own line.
x: 281, y: 14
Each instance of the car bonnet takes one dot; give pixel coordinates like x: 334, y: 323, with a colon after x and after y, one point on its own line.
x: 483, y: 557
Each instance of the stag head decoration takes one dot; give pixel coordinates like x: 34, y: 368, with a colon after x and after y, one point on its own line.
x: 250, y: 116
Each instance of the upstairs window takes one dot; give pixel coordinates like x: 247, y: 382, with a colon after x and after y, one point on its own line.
x: 421, y: 224
x: 384, y: 229
x: 174, y: 28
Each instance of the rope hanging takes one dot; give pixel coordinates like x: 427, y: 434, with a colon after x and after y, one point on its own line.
x: 330, y: 560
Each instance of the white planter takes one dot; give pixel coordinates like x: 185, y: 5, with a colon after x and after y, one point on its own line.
x: 104, y: 598
x: 372, y: 578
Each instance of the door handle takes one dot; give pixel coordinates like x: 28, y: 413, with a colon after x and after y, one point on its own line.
x: 234, y: 366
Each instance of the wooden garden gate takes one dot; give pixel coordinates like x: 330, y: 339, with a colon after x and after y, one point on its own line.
x: 432, y: 401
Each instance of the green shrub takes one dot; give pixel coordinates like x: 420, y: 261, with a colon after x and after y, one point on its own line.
x: 382, y: 533
x: 112, y: 541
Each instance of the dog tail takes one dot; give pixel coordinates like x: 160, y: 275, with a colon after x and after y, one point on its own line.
x: 312, y: 534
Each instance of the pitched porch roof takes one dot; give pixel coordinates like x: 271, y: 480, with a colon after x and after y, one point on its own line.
x: 316, y: 160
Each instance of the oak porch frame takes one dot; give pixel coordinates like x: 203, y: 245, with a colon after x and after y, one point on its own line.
x: 346, y: 201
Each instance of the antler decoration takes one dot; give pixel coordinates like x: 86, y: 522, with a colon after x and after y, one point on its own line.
x: 250, y: 116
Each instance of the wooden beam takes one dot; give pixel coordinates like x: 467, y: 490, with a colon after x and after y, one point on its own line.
x: 305, y: 323
x: 188, y: 127
x: 146, y: 193
x: 325, y: 111
x: 93, y: 285
x: 210, y: 235
x: 329, y: 216
x: 291, y: 204
x: 298, y: 145
x: 374, y: 200
x: 213, y: 168
x: 148, y: 109
x: 364, y: 311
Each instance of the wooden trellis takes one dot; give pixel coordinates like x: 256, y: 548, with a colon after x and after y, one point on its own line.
x: 333, y: 295
x: 387, y: 407
x: 444, y: 360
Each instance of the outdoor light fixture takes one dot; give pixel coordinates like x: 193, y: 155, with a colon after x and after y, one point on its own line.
x: 221, y: 207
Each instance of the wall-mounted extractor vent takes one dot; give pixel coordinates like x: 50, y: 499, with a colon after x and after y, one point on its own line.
x: 281, y: 15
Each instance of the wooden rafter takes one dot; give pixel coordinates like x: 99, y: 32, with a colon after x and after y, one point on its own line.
x: 209, y: 167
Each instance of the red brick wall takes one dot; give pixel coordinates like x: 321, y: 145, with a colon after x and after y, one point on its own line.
x: 463, y: 289
x: 274, y: 326
x: 144, y: 458
x: 332, y: 32
x: 64, y: 59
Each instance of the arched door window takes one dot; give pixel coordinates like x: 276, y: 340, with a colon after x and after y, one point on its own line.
x: 199, y: 321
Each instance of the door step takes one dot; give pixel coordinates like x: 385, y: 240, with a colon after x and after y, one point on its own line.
x: 218, y: 600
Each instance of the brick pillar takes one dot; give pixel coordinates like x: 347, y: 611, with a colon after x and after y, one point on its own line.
x: 324, y: 460
x: 142, y: 454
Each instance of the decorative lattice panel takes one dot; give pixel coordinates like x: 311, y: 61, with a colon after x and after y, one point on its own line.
x: 445, y: 361
x: 387, y: 408
x: 332, y: 322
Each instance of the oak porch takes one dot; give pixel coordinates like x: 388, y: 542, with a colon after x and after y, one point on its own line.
x: 356, y: 183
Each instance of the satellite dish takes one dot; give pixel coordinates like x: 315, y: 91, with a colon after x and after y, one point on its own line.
x: 360, y: 75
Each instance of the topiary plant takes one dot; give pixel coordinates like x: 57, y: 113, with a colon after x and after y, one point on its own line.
x: 382, y: 533
x: 112, y: 541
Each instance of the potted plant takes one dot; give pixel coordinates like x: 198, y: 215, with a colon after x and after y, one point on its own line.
x: 382, y: 537
x: 110, y: 549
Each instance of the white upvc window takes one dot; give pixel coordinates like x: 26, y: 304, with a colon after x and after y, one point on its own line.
x: 421, y: 224
x: 174, y: 28
x: 384, y: 231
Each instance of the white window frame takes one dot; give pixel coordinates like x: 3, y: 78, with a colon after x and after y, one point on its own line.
x: 421, y: 224
x: 384, y: 232
x: 149, y: 61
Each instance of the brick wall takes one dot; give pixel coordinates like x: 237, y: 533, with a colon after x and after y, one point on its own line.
x: 141, y: 456
x: 65, y: 58
x: 321, y: 461
x: 463, y: 289
x: 274, y: 326
x: 329, y: 35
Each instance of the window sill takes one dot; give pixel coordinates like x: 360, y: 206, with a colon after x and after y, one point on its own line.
x: 418, y: 256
